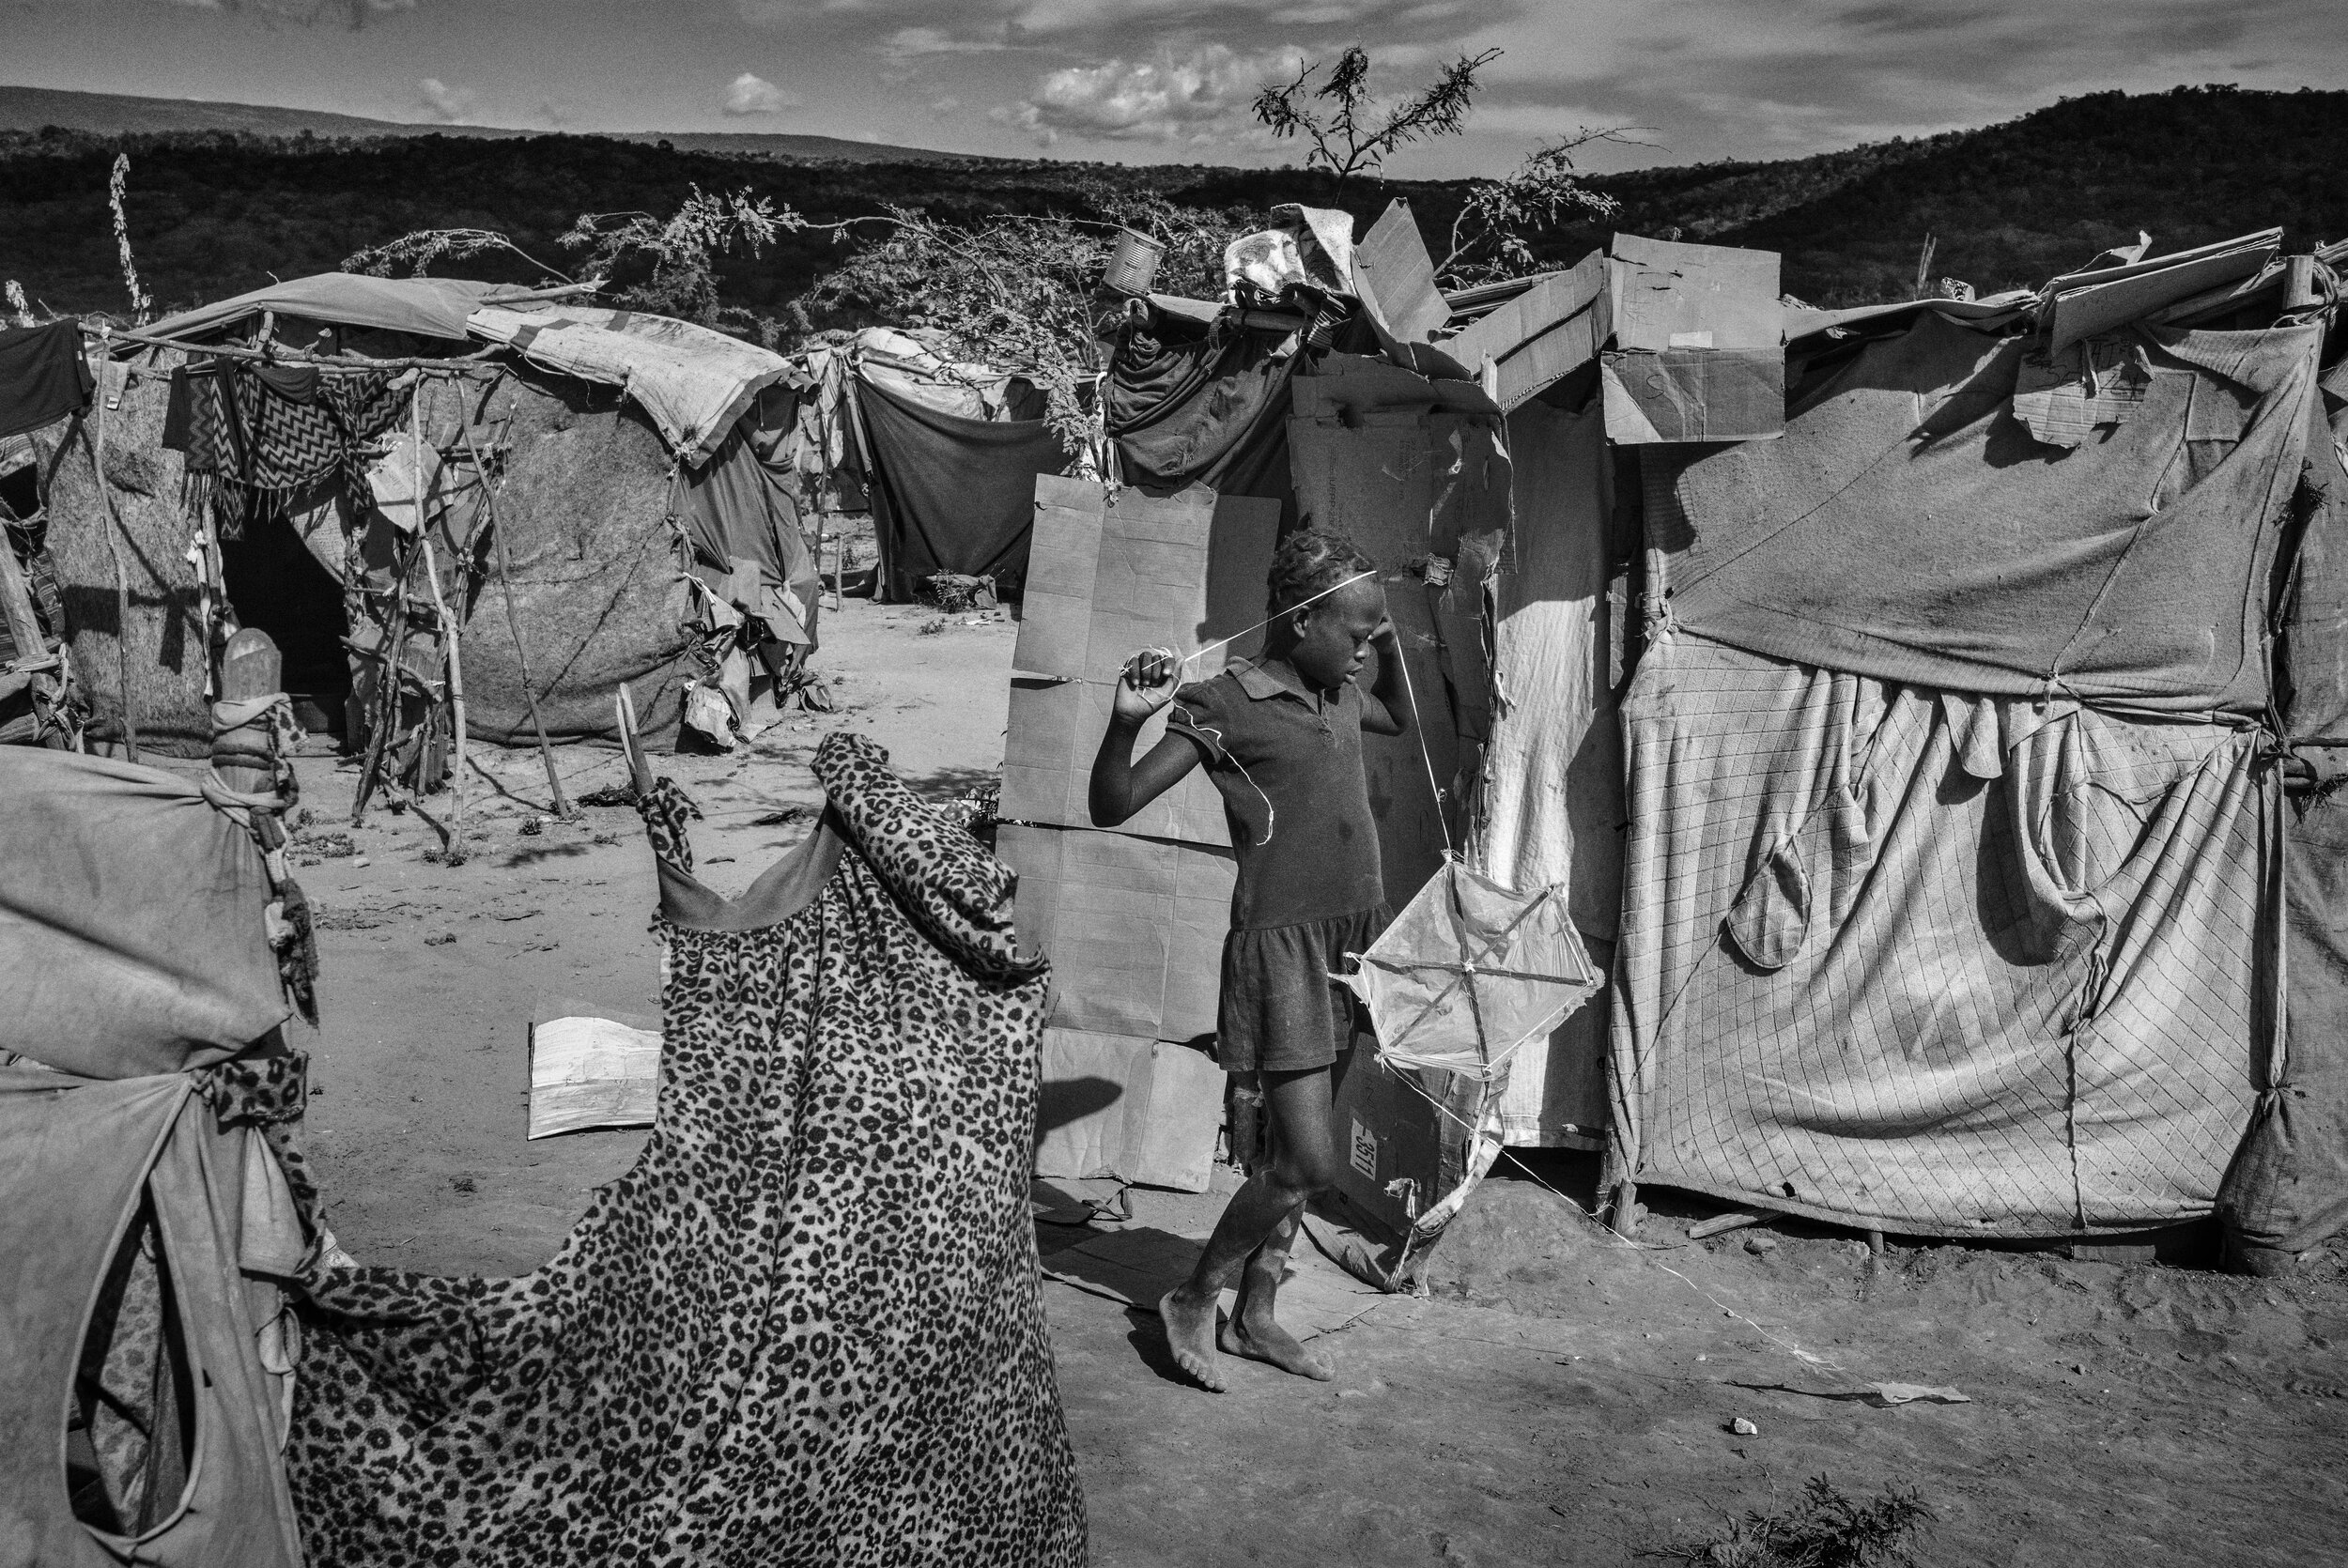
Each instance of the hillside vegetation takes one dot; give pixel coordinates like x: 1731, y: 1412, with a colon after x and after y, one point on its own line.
x: 213, y: 214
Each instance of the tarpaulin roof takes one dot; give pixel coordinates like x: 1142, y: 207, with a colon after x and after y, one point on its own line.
x: 431, y: 307
x: 1909, y: 526
x: 694, y: 382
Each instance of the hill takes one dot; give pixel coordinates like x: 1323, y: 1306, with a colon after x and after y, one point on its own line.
x: 118, y: 115
x: 214, y: 212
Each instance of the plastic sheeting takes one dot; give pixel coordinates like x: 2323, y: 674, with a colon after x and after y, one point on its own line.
x: 75, y: 1158
x: 740, y: 509
x: 694, y: 382
x: 2288, y: 1190
x: 951, y: 494
x: 1908, y: 527
x: 131, y: 918
x: 1553, y: 807
x: 1210, y: 406
x: 1934, y: 964
x: 431, y: 307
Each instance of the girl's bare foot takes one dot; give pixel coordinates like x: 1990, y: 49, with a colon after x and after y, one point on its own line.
x: 1190, y: 1334
x: 1267, y: 1341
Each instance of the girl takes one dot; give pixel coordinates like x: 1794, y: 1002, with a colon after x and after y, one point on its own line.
x: 1282, y: 739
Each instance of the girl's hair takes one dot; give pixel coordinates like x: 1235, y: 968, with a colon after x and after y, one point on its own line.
x: 1310, y: 561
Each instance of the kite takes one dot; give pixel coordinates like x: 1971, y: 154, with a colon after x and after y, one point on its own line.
x: 1469, y: 972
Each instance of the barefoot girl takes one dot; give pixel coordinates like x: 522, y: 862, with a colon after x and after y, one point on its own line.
x: 1282, y: 739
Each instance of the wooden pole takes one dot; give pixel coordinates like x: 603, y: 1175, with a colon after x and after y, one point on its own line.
x: 2299, y: 282
x: 404, y: 562
x: 512, y: 624
x: 449, y: 636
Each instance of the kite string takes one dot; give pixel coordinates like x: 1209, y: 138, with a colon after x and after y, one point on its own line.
x: 1268, y: 620
x: 1644, y: 1248
x: 1419, y: 733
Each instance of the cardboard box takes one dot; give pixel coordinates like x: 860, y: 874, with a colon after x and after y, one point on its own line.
x: 1396, y: 1154
x: 1670, y: 295
x: 1695, y: 394
x: 1133, y: 928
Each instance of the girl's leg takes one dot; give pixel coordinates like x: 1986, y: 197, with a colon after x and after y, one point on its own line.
x: 1303, y: 1162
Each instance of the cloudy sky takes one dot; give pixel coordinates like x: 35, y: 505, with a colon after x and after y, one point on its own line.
x: 1169, y: 81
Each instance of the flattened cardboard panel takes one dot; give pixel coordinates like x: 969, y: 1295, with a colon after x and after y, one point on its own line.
x: 1348, y: 385
x: 1056, y: 728
x: 1516, y: 323
x: 1695, y: 394
x: 1670, y: 295
x: 1133, y: 928
x: 1549, y: 359
x: 1133, y: 1109
x: 1113, y: 571
x: 1392, y: 265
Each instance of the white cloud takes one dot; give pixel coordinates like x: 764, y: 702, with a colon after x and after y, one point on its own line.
x: 945, y: 106
x: 754, y: 95
x: 442, y: 101
x: 910, y: 42
x: 1204, y: 94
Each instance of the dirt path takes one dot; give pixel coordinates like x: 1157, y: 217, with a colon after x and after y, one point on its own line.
x: 1557, y: 1399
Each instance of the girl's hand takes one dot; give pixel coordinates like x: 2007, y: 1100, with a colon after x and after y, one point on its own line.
x: 1145, y: 684
x: 1385, y: 638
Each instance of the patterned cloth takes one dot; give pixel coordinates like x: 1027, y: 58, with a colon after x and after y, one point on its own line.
x: 277, y: 428
x: 1936, y: 963
x: 805, y: 1328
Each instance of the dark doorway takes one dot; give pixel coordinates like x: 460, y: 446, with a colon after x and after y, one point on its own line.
x: 276, y: 584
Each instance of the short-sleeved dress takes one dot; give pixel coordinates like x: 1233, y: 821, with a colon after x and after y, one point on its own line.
x: 1310, y: 891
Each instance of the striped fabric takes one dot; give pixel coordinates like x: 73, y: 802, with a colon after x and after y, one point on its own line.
x: 1931, y: 963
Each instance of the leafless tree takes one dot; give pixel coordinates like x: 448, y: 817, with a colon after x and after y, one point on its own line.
x: 1352, y: 135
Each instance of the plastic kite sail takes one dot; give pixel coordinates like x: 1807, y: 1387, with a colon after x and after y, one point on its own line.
x: 1469, y: 972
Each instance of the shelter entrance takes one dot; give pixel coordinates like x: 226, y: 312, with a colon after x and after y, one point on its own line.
x: 275, y: 584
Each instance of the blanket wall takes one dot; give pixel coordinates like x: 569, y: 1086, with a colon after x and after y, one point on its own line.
x: 1930, y: 963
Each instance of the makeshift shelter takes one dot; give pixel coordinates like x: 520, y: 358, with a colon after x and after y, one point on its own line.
x: 1889, y: 693
x: 606, y: 499
x: 157, y: 1205
x: 947, y: 453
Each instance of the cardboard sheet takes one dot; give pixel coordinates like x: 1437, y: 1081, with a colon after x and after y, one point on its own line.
x: 1112, y: 571
x: 1133, y: 1110
x: 1133, y: 928
x: 588, y: 1072
x: 2086, y: 303
x: 1667, y: 295
x: 1695, y: 394
x: 1543, y: 335
x: 1394, y: 277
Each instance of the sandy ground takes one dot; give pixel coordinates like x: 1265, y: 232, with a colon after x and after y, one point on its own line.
x: 1556, y: 1398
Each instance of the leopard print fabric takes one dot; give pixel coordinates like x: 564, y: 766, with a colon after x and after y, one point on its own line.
x: 270, y: 1092
x: 667, y: 810
x: 805, y: 1328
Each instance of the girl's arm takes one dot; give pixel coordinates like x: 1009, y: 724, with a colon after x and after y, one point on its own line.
x: 1122, y: 786
x: 1386, y: 711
